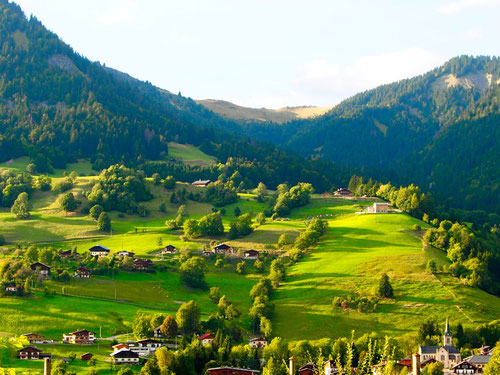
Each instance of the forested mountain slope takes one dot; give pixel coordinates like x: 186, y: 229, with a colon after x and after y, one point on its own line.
x: 440, y: 130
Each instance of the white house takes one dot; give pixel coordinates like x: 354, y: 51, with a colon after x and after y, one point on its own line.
x: 206, y: 339
x: 257, y: 342
x: 125, y: 356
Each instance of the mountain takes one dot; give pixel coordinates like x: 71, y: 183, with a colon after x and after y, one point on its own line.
x: 440, y: 130
x: 280, y: 115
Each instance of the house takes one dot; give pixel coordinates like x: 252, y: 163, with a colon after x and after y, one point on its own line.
x: 82, y: 336
x: 201, y: 183
x: 486, y: 350
x: 40, y: 269
x: 86, y: 356
x: 66, y: 254
x: 99, y: 251
x: 157, y: 332
x: 330, y: 367
x: 379, y: 208
x: 464, y: 367
x: 257, y: 342
x: 222, y: 249
x: 251, y: 254
x: 13, y: 289
x: 343, y: 192
x: 29, y: 352
x: 232, y: 371
x: 125, y: 253
x: 169, y: 249
x: 125, y: 356
x: 479, y: 361
x: 447, y: 354
x: 143, y: 264
x: 120, y: 346
x: 149, y: 343
x: 82, y: 273
x: 34, y: 338
x: 206, y: 339
x: 308, y: 369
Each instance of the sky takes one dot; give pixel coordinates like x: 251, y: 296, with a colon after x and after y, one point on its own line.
x: 272, y: 53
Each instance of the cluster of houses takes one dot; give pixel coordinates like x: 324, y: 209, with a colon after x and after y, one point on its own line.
x: 224, y: 249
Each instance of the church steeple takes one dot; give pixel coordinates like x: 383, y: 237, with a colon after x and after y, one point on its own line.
x: 447, y: 334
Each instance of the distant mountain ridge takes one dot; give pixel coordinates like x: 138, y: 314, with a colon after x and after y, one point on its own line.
x: 280, y: 115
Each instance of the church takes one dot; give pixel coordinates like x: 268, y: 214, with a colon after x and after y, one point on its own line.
x: 447, y: 354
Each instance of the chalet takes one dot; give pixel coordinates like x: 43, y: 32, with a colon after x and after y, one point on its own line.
x: 157, y: 332
x: 464, y: 367
x: 124, y: 253
x: 479, y: 361
x: 34, y: 338
x: 123, y: 356
x: 308, y: 369
x: 447, y: 354
x: 82, y: 336
x: 149, y: 343
x: 143, y: 264
x: 99, y: 251
x: 251, y: 254
x: 169, y: 249
x: 82, y: 273
x: 86, y: 356
x: 29, y: 352
x: 343, y: 192
x: 206, y: 339
x: 13, y: 289
x: 66, y: 254
x: 40, y: 269
x: 120, y: 346
x: 201, y: 183
x: 207, y: 253
x: 258, y: 342
x: 231, y: 371
x: 222, y: 249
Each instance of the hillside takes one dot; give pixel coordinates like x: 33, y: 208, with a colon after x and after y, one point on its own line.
x: 417, y: 130
x: 280, y: 115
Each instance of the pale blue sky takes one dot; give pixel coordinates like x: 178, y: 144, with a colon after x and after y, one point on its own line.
x: 276, y: 52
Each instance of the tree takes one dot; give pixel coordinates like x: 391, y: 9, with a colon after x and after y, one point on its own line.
x: 214, y: 294
x: 237, y: 211
x: 188, y: 317
x: 141, y: 326
x: 104, y: 222
x: 493, y: 366
x: 265, y: 326
x: 219, y: 263
x: 261, y: 192
x: 68, y: 202
x: 435, y: 368
x: 2, y: 240
x: 169, y: 327
x: 156, y: 178
x: 259, y: 266
x: 284, y: 240
x: 385, y: 287
x: 21, y: 206
x: 125, y: 370
x: 163, y: 207
x: 159, y: 242
x: 431, y: 266
x: 260, y: 218
x: 192, y: 272
x: 240, y: 267
x: 95, y: 211
x: 169, y: 183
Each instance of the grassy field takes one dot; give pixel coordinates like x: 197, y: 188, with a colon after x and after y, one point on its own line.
x: 82, y: 167
x: 190, y: 154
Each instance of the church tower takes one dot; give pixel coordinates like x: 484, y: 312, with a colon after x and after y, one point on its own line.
x: 447, y: 335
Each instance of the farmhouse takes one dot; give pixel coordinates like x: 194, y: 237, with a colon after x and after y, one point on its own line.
x: 29, y: 352
x: 82, y: 336
x: 86, y: 357
x: 34, y: 338
x: 201, y: 183
x: 343, y: 192
x: 222, y: 249
x: 143, y: 264
x: 99, y: 251
x: 206, y: 339
x: 82, y: 273
x: 145, y: 347
x: 258, y: 342
x: 379, y: 208
x: 66, y: 254
x: 447, y: 354
x: 169, y: 249
x: 125, y: 253
x: 231, y: 371
x: 125, y: 356
x: 251, y: 254
x: 40, y: 269
x: 464, y: 367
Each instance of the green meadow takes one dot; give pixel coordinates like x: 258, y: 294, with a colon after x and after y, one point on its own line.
x: 189, y: 154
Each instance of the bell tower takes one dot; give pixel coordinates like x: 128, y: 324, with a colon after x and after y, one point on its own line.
x: 447, y: 335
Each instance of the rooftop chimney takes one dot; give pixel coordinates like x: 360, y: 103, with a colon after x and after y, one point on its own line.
x: 47, y: 368
x: 292, y: 366
x: 416, y: 364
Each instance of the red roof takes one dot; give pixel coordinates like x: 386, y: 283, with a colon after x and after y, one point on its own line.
x: 206, y: 336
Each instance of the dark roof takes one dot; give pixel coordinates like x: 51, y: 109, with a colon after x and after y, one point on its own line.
x: 433, y: 349
x: 66, y: 252
x: 451, y: 349
x: 460, y: 365
x: 251, y: 252
x: 170, y: 247
x: 308, y: 366
x: 99, y: 248
x: 31, y: 349
x: 146, y: 341
x: 124, y: 353
x: 222, y: 246
x: 82, y: 269
x: 39, y: 265
x: 233, y: 368
x: 480, y: 359
x: 257, y: 339
x: 80, y: 332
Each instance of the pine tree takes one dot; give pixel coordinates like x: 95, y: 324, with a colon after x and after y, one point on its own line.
x: 385, y: 287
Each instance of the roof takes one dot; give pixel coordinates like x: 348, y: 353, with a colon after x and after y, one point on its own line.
x: 381, y: 204
x: 66, y: 252
x: 169, y: 247
x: 144, y: 341
x: 433, y: 349
x: 464, y: 362
x: 308, y: 366
x: 31, y: 334
x: 222, y: 246
x: 251, y: 252
x: 99, y: 248
x: 257, y: 339
x: 233, y: 368
x: 82, y: 269
x: 80, y: 331
x: 124, y: 353
x: 85, y: 354
x: 479, y: 359
x: 29, y: 349
x: 201, y: 182
x: 206, y: 336
x: 39, y: 265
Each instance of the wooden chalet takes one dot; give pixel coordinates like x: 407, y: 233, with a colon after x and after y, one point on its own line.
x: 169, y: 249
x: 29, y: 353
x: 82, y: 336
x: 66, y: 254
x: 308, y: 369
x: 480, y: 360
x: 206, y: 339
x: 82, y: 273
x: 149, y: 343
x: 124, y: 356
x: 257, y: 342
x: 231, y: 371
x: 222, y: 249
x: 251, y: 254
x: 343, y: 192
x: 464, y: 367
x: 86, y: 356
x: 143, y: 264
x: 201, y: 183
x: 34, y: 338
x: 40, y: 269
x: 99, y: 251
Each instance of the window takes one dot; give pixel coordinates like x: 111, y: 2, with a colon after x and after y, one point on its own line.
x: 442, y: 358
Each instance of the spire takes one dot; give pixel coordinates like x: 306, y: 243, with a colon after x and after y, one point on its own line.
x: 447, y: 329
